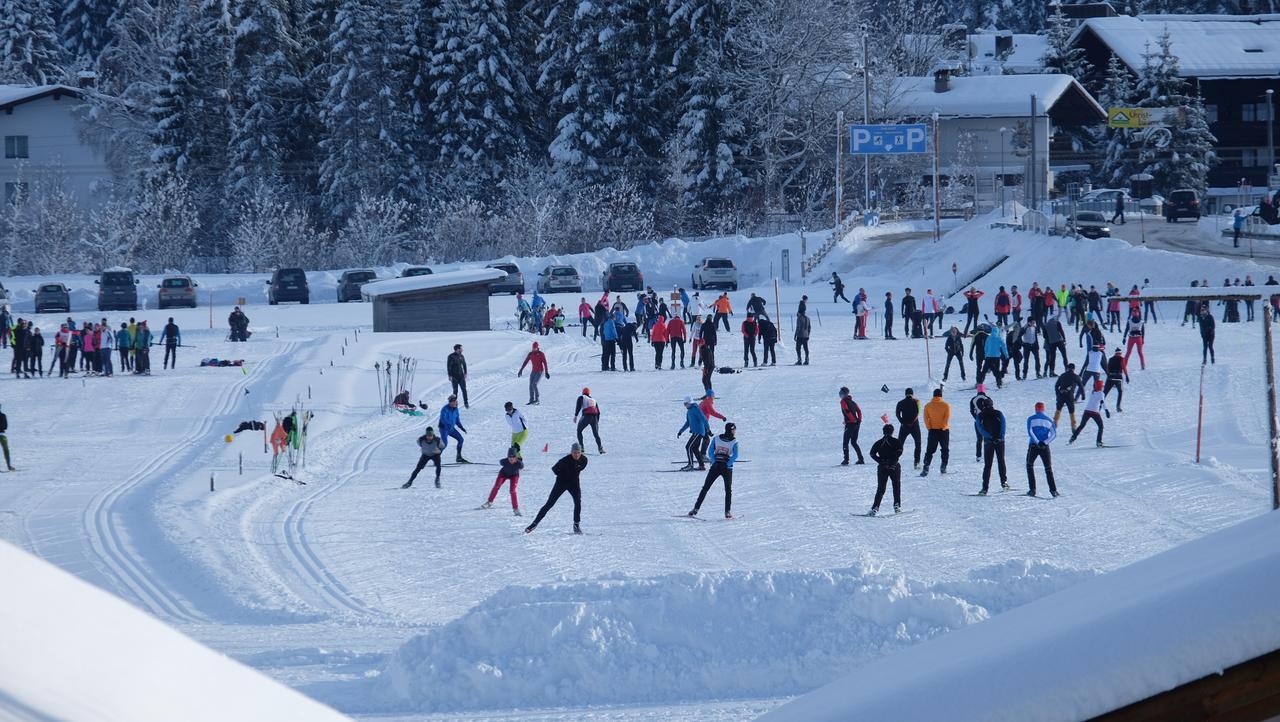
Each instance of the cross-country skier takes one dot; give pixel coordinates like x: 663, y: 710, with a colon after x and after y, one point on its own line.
x: 1041, y: 431
x: 676, y: 333
x: 1065, y: 389
x: 171, y: 337
x: 609, y: 344
x: 994, y: 354
x: 1030, y: 347
x: 991, y: 426
x: 908, y: 313
x: 886, y: 453
x: 568, y: 471
x: 802, y: 338
x: 851, y: 413
x: 937, y: 424
x: 538, y: 360
x: 888, y: 316
x: 450, y: 421
x: 456, y: 367
x: 1207, y: 332
x: 695, y: 422
x: 1117, y: 376
x: 1013, y: 342
x: 1094, y: 368
x: 659, y: 337
x: 953, y: 343
x: 1093, y: 409
x: 908, y: 413
x: 430, y: 447
x: 142, y: 350
x: 509, y: 473
x: 4, y: 440
x: 519, y: 428
x: 978, y: 348
x: 749, y: 332
x: 627, y: 337
x: 975, y: 406
x: 769, y: 339
x: 756, y: 305
x: 589, y: 411
x: 1055, y: 344
x: 724, y: 451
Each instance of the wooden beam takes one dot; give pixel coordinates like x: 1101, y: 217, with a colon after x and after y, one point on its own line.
x: 1247, y: 692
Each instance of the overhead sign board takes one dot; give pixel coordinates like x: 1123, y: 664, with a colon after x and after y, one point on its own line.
x: 888, y: 139
x: 1138, y: 117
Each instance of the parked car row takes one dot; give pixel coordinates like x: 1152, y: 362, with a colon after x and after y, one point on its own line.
x: 117, y: 291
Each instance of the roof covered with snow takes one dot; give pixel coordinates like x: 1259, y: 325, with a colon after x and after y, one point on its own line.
x: 1026, y: 56
x: 997, y: 96
x: 1207, y: 46
x: 11, y: 95
x: 1108, y: 642
x: 71, y: 651
x: 464, y: 277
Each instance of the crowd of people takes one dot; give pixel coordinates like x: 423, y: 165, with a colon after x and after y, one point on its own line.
x: 88, y: 348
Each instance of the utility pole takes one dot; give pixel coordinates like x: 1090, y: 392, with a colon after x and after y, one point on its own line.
x: 937, y: 195
x: 839, y: 174
x: 1000, y: 185
x: 866, y: 116
x: 1271, y: 138
x: 1031, y: 176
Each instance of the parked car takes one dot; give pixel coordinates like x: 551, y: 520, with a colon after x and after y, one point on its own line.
x: 559, y: 279
x: 513, y: 283
x: 622, y: 277
x: 715, y: 273
x: 1090, y: 224
x: 350, y: 283
x: 1105, y: 195
x: 1182, y: 203
x: 412, y: 271
x: 117, y: 290
x: 53, y: 298
x: 177, y: 291
x: 288, y: 284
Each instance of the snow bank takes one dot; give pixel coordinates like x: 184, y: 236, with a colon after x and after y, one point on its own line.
x: 70, y: 651
x: 1154, y: 625
x: 687, y: 636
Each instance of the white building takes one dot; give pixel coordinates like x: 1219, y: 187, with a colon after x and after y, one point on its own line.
x: 975, y: 110
x: 41, y: 127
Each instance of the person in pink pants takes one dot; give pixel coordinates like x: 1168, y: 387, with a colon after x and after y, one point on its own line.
x: 509, y: 472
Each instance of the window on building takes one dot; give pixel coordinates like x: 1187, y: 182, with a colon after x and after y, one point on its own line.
x: 1211, y: 114
x: 13, y: 192
x: 1250, y: 157
x: 15, y: 146
x: 1254, y: 112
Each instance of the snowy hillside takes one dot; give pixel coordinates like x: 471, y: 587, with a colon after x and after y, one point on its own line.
x: 401, y: 604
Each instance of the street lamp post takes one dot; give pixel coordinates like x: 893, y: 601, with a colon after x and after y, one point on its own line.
x: 866, y: 115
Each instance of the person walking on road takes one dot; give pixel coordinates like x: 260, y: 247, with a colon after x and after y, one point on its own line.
x: 937, y: 424
x: 886, y: 453
x: 538, y: 360
x: 589, y: 412
x: 456, y: 366
x: 430, y: 447
x: 695, y: 422
x: 1041, y: 431
x: 508, y: 473
x: 851, y: 413
x: 568, y: 471
x: 1119, y: 207
x: 724, y: 451
x: 991, y: 426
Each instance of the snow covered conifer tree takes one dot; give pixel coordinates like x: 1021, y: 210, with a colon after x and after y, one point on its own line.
x: 478, y: 90
x: 1185, y: 160
x: 85, y: 27
x: 1060, y: 56
x: 29, y: 48
x: 1120, y: 161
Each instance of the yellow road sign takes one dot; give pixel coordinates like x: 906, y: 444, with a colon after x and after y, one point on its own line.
x: 1127, y: 118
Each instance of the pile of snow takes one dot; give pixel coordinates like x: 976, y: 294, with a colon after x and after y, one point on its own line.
x: 687, y: 636
x: 70, y: 651
x: 1144, y: 629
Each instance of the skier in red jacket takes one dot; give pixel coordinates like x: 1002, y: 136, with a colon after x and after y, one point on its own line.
x: 852, y: 416
x: 539, y: 362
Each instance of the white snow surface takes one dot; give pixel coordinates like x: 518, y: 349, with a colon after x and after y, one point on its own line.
x: 433, y: 280
x: 349, y: 588
x: 70, y: 651
x: 1105, y: 643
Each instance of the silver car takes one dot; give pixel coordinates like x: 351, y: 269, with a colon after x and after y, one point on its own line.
x: 559, y: 279
x: 715, y: 273
x: 1090, y: 224
x: 177, y: 291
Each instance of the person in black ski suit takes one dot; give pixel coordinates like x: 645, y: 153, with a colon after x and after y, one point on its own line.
x: 838, y: 286
x: 456, y: 367
x: 430, y: 446
x: 886, y: 453
x: 954, y: 345
x: 708, y: 350
x: 908, y: 413
x: 769, y: 337
x: 803, y: 328
x: 1117, y: 376
x: 568, y: 471
x: 975, y: 407
x: 908, y: 314
x: 991, y: 428
x: 1065, y: 389
x: 1055, y: 344
x: 1207, y: 331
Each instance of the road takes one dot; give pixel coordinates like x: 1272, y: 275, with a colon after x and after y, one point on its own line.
x: 1187, y: 237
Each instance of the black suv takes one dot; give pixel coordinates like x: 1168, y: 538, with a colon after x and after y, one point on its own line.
x: 288, y: 284
x: 53, y: 298
x: 622, y: 277
x: 1182, y: 203
x: 117, y: 290
x: 350, y: 282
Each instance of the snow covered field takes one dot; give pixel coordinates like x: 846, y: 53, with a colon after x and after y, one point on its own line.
x: 395, y: 604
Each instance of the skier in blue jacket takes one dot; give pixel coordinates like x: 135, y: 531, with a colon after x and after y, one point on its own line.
x: 450, y: 422
x: 539, y: 308
x: 994, y: 355
x: 1041, y: 431
x: 609, y: 344
x: 695, y: 422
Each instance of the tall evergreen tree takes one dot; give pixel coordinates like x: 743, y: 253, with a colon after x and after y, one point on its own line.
x: 365, y: 115
x: 478, y: 90
x: 1120, y: 160
x: 1184, y: 160
x: 29, y: 48
x: 1061, y: 56
x: 85, y: 28
x: 268, y: 91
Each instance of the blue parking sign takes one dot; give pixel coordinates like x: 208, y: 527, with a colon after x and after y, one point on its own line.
x: 888, y: 139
